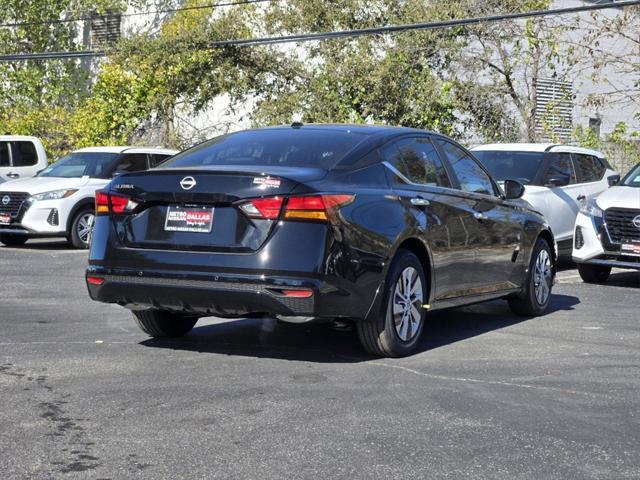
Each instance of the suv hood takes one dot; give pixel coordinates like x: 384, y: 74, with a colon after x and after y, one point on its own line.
x: 35, y: 185
x: 620, y: 197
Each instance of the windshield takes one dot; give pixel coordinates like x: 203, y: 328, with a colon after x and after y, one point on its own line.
x: 80, y: 164
x: 632, y: 179
x: 275, y: 147
x: 521, y: 166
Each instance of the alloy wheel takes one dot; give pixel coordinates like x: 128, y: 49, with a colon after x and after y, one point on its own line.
x: 406, y: 304
x: 85, y: 227
x: 542, y: 277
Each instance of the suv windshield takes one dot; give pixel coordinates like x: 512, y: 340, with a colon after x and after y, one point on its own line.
x: 80, y: 164
x: 276, y: 147
x: 521, y: 166
x: 632, y: 179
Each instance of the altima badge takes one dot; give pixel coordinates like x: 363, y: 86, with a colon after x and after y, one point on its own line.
x: 187, y: 183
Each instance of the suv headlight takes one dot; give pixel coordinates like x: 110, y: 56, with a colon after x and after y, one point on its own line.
x: 54, y: 195
x: 591, y: 209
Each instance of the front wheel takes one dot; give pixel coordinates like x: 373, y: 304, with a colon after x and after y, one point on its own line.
x: 162, y: 323
x: 82, y: 228
x: 11, y: 240
x: 396, y: 329
x: 593, y: 273
x: 537, y: 292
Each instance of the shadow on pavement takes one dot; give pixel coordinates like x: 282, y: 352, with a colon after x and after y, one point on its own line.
x: 36, y: 244
x: 628, y: 279
x: 268, y: 338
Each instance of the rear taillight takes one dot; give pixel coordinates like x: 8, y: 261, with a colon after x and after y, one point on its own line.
x: 109, y: 203
x: 299, y: 207
x: 268, y: 208
x: 315, y: 207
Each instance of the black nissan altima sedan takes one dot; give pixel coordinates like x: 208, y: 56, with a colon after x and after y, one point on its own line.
x: 368, y: 224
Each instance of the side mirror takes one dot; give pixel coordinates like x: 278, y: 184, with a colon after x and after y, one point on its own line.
x: 613, y: 180
x: 513, y: 189
x: 559, y: 180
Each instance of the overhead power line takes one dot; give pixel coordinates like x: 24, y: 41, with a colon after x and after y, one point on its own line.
x: 348, y: 33
x: 52, y: 21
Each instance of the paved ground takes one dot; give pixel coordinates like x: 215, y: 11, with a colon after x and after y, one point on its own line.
x: 84, y: 394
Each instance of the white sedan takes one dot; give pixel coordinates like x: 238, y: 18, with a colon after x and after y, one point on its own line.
x: 607, y: 231
x: 558, y: 179
x: 59, y: 202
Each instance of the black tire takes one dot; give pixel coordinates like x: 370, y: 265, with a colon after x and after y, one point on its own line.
x: 161, y: 323
x: 379, y: 335
x: 11, y: 240
x: 527, y: 304
x: 593, y: 273
x: 75, y: 238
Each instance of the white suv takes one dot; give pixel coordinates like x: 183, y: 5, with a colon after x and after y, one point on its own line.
x: 608, y: 231
x: 59, y: 202
x: 558, y: 179
x: 20, y: 156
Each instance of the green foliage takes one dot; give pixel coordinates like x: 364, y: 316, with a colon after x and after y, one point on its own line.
x: 621, y: 147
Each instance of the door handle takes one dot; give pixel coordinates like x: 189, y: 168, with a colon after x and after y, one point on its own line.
x: 13, y: 175
x: 580, y: 198
x: 420, y: 202
x: 480, y: 216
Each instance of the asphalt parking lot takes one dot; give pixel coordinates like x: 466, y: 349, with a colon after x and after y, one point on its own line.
x: 85, y: 394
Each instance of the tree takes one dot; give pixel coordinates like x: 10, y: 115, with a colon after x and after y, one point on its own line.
x: 383, y: 79
x: 36, y: 96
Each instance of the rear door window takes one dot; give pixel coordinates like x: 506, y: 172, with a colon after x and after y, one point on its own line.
x: 5, y: 159
x: 471, y: 177
x: 417, y: 160
x: 561, y: 164
x: 156, y: 159
x: 588, y: 168
x: 132, y: 162
x: 24, y: 154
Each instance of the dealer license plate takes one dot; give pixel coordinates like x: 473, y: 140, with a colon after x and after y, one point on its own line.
x: 189, y: 219
x: 631, y: 247
x: 5, y: 218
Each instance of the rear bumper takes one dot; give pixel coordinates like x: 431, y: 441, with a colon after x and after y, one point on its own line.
x: 227, y: 295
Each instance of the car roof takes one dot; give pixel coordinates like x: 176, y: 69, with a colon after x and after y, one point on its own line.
x: 127, y: 149
x: 535, y: 147
x: 347, y: 127
x: 13, y: 138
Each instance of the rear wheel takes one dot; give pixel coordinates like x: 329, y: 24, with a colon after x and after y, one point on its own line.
x: 11, y: 240
x: 396, y: 330
x: 161, y: 323
x: 82, y: 228
x: 537, y: 293
x: 593, y: 273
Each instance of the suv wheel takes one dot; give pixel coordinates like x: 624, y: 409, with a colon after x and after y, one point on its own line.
x: 162, y: 323
x: 396, y: 330
x: 535, y: 298
x: 82, y: 228
x: 593, y: 273
x: 11, y: 240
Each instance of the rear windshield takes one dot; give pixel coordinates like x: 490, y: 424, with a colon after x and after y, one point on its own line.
x: 521, y: 166
x: 80, y: 164
x: 632, y: 179
x: 276, y: 147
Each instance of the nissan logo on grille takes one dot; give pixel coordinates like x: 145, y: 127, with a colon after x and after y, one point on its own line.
x: 6, y: 199
x: 187, y: 183
x: 636, y: 221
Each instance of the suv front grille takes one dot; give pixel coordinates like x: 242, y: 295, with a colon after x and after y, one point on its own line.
x: 11, y: 202
x: 620, y: 224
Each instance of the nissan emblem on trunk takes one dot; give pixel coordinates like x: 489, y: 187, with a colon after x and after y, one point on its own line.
x: 6, y: 199
x: 187, y: 183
